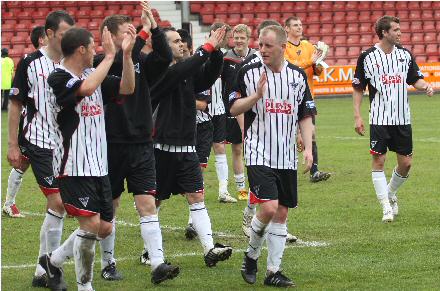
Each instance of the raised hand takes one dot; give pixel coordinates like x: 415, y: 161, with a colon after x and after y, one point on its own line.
x: 107, y: 43
x: 216, y: 37
x: 129, y: 39
x: 316, y: 55
x: 147, y: 18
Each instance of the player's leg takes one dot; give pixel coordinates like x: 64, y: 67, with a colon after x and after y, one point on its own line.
x: 52, y: 226
x: 315, y: 174
x: 238, y: 165
x: 221, y: 161
x: 402, y: 145
x: 107, y: 246
x: 14, y: 183
x: 379, y: 139
x: 142, y: 183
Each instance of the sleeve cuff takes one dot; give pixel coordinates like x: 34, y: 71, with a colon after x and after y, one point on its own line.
x: 144, y: 35
x: 208, y: 47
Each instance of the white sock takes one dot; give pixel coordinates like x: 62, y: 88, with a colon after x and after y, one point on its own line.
x: 202, y: 225
x: 14, y: 183
x: 380, y: 185
x: 108, y: 247
x: 84, y: 255
x: 240, y: 182
x: 64, y: 252
x: 39, y: 270
x: 190, y: 218
x: 221, y: 166
x: 54, y: 230
x: 395, y: 182
x: 258, y: 235
x: 276, y: 242
x: 152, y: 236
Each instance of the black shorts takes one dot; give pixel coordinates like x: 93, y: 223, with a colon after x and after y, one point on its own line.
x: 41, y: 163
x: 219, y: 123
x: 204, y: 142
x: 234, y: 135
x: 135, y: 163
x: 87, y: 196
x: 397, y: 138
x: 177, y: 173
x: 273, y: 184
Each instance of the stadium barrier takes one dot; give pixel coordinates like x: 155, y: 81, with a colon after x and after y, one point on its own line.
x: 337, y: 79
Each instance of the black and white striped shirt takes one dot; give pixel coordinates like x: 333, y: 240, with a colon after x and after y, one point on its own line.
x: 270, y: 125
x: 217, y: 106
x: 387, y: 77
x: 81, y: 143
x: 203, y: 115
x: 31, y: 88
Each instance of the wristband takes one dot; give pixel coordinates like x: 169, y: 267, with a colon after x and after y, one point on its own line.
x: 208, y: 47
x: 144, y: 35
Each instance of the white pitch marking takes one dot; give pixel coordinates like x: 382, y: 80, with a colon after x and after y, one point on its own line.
x: 298, y: 244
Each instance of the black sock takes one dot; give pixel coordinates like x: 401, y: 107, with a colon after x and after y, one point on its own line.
x: 314, y: 167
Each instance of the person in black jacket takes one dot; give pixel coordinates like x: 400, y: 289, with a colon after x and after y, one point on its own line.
x: 177, y: 164
x: 130, y: 148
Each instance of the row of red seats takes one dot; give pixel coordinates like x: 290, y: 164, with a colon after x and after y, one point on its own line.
x: 66, y: 4
x: 324, y: 17
x: 253, y: 6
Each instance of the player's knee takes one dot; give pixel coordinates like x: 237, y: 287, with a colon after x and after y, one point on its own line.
x: 105, y: 229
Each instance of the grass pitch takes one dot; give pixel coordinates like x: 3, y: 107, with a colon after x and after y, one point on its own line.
x: 362, y: 253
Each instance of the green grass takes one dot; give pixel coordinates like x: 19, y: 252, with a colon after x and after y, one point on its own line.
x: 363, y: 253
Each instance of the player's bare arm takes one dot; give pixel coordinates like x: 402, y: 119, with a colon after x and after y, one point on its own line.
x: 245, y: 104
x: 422, y: 85
x: 358, y: 122
x: 14, y: 154
x: 95, y: 79
x: 306, y: 128
x: 147, y: 18
x: 128, y: 77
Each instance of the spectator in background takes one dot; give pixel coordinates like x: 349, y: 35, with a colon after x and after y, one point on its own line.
x: 38, y: 37
x: 7, y: 74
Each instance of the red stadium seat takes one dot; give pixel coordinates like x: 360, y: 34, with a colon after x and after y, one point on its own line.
x: 351, y: 17
x: 299, y: 6
x: 340, y: 6
x: 96, y: 14
x: 16, y: 51
x: 207, y: 19
x: 326, y: 16
x: 22, y: 27
x: 375, y: 15
x: 402, y: 14
x: 313, y: 6
x: 7, y: 35
x: 15, y: 10
x: 437, y: 26
x: 351, y: 6
x: 427, y: 15
x: 432, y: 49
x: 417, y: 38
x: 340, y: 28
x: 326, y: 29
x: 221, y: 18
x: 261, y: 15
x: 83, y: 14
x: 389, y: 5
x: 429, y: 37
x: 416, y: 26
x: 415, y: 15
x: 354, y: 51
x: 413, y: 5
x: 364, y: 6
x: 195, y: 7
x: 82, y: 22
x: 113, y: 6
x: 288, y: 6
x: 405, y: 38
x: 276, y: 7
x: 421, y: 59
x: 327, y: 39
x: 433, y: 58
x: 339, y: 16
x: 418, y: 49
x: 435, y: 5
x: 245, y: 8
x: 207, y: 9
x: 364, y: 16
x: 313, y: 29
x: 376, y: 5
x: 341, y: 51
x: 221, y: 8
x: 352, y: 28
x: 13, y: 4
x: 366, y: 39
x: 28, y: 50
x: 261, y: 7
x: 326, y: 6
x: 340, y: 40
x: 401, y: 5
x: 404, y: 26
x: 437, y: 14
x: 366, y: 27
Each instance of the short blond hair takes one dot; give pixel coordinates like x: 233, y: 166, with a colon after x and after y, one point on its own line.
x: 242, y: 28
x: 280, y: 33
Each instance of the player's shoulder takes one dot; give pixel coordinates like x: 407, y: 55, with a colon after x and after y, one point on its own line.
x: 29, y: 58
x: 306, y: 43
x: 295, y: 68
x: 403, y: 49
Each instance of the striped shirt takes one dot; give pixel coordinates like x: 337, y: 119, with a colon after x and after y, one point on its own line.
x: 387, y: 77
x: 31, y: 88
x: 203, y: 115
x: 217, y: 106
x: 79, y: 124
x: 270, y: 125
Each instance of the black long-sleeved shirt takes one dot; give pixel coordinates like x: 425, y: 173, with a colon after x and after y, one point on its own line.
x: 175, y: 93
x: 132, y: 121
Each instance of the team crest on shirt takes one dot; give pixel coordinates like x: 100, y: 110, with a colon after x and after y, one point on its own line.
x: 293, y: 85
x: 49, y: 180
x: 373, y: 143
x: 378, y: 66
x: 84, y: 201
x: 298, y: 52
